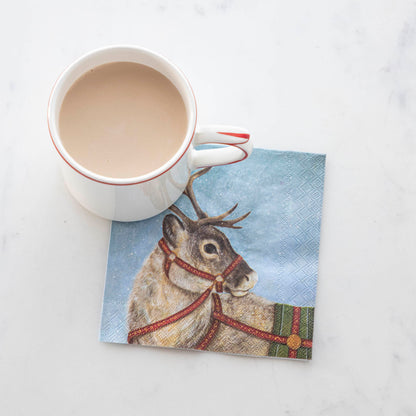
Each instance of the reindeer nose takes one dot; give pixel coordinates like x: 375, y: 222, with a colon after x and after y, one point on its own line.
x: 248, y: 281
x: 252, y: 278
x: 241, y: 286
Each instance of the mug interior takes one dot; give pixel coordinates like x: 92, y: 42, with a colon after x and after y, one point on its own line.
x: 120, y: 54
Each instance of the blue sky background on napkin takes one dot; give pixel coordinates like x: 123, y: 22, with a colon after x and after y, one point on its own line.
x: 279, y: 239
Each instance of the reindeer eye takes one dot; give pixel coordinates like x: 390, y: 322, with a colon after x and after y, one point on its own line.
x: 210, y: 248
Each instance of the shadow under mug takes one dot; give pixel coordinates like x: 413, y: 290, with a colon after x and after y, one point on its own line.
x: 138, y: 198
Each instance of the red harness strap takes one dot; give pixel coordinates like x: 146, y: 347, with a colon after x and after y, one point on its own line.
x: 218, y: 279
x: 170, y: 319
x: 249, y: 329
x: 214, y: 326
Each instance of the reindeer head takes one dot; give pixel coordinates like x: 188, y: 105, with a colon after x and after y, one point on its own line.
x: 201, y: 244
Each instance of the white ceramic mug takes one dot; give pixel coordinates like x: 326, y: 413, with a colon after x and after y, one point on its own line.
x: 132, y: 199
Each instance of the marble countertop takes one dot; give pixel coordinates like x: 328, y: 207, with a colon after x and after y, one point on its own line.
x: 326, y: 77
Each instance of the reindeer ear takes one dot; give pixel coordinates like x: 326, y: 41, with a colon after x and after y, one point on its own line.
x: 173, y: 228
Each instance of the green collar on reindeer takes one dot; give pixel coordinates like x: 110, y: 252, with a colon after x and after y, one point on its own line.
x: 170, y: 257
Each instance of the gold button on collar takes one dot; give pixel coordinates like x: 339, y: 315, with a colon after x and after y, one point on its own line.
x: 294, y: 341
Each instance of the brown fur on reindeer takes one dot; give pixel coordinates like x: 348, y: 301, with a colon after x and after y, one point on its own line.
x: 155, y: 296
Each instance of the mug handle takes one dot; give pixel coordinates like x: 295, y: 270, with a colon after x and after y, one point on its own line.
x: 238, y: 141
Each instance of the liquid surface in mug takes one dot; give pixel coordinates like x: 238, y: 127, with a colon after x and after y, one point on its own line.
x: 122, y: 120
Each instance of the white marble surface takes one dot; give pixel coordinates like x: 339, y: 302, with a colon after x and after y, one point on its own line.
x: 336, y: 77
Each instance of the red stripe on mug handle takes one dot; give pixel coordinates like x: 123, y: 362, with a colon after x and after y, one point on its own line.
x: 236, y: 141
x: 240, y: 135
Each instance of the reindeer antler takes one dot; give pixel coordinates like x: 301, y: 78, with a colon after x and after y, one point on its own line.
x: 181, y: 215
x: 189, y: 192
x: 220, y: 222
x: 203, y: 218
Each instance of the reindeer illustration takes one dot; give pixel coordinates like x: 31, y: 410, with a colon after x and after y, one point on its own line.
x: 194, y: 281
x: 200, y: 244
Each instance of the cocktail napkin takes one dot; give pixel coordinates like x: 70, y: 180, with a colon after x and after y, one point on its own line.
x: 192, y: 278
